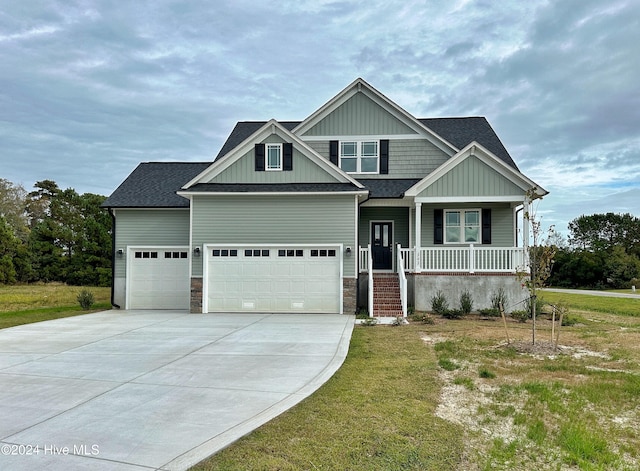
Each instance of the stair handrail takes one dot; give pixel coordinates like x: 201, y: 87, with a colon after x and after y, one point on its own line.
x: 370, y: 266
x: 402, y: 278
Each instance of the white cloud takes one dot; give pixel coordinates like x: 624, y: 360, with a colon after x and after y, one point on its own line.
x: 91, y: 86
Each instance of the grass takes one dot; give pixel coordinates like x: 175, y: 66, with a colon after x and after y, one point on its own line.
x: 24, y: 304
x: 462, y: 400
x: 455, y: 395
x: 377, y: 412
x: 583, y: 302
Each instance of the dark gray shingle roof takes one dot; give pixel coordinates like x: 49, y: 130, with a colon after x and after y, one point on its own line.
x: 394, y: 188
x: 458, y: 131
x: 244, y: 129
x: 154, y: 185
x: 273, y: 187
x: 462, y: 131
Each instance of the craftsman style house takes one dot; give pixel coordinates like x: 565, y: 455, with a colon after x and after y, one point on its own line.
x: 359, y: 205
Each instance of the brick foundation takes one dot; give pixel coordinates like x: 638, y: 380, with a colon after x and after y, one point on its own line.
x: 196, y: 295
x: 349, y: 295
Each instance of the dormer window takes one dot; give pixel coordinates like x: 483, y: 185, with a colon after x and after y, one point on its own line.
x: 274, y: 156
x: 359, y: 156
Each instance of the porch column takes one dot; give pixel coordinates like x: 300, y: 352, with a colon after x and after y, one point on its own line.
x: 525, y: 224
x: 418, y: 236
x: 525, y: 231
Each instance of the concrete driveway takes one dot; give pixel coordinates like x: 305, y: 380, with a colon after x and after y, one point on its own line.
x: 134, y: 390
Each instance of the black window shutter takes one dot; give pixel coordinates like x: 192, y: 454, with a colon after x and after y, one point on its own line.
x: 438, y: 227
x: 259, y: 157
x: 384, y: 156
x: 333, y: 152
x: 486, y: 225
x: 287, y: 156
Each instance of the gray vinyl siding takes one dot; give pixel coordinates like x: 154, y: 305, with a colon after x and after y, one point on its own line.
x: 278, y: 219
x: 502, y: 222
x: 359, y: 115
x: 399, y: 216
x: 408, y: 158
x: 304, y: 170
x: 472, y: 177
x: 151, y: 227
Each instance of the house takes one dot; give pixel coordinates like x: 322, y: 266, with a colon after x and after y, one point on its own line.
x: 360, y: 198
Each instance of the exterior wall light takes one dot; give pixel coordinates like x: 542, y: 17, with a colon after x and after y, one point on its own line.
x: 348, y: 251
x: 196, y: 251
x: 120, y: 252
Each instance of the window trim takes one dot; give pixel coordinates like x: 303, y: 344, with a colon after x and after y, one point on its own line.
x: 266, y: 157
x: 359, y: 145
x: 461, y: 226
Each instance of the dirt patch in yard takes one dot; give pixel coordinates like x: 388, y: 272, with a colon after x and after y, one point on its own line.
x: 525, y: 405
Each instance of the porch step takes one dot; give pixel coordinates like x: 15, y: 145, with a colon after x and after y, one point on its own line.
x: 386, y: 295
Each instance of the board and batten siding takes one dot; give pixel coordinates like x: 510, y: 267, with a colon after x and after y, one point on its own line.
x: 399, y: 216
x: 472, y: 177
x: 359, y: 116
x: 502, y: 222
x: 243, y: 170
x: 408, y: 158
x: 277, y: 219
x: 149, y: 227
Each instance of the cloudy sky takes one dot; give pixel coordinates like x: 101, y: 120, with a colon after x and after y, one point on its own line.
x: 88, y: 89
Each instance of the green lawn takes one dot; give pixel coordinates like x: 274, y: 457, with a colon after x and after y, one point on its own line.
x: 454, y: 395
x: 376, y: 412
x: 585, y: 302
x: 23, y: 304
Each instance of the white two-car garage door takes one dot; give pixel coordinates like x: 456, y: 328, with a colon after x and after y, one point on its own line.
x: 158, y: 278
x: 273, y: 279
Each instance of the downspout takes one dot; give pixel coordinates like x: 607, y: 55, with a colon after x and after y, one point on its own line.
x: 358, y: 253
x: 113, y: 258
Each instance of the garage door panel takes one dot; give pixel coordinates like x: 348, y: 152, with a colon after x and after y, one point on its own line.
x: 273, y: 279
x: 157, y: 280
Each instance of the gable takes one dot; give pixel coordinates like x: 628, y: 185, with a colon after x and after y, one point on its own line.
x: 317, y: 169
x: 472, y: 177
x: 359, y: 116
x: 472, y: 173
x: 243, y: 171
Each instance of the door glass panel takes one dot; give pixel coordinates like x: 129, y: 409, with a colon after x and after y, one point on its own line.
x: 376, y: 229
x: 385, y: 236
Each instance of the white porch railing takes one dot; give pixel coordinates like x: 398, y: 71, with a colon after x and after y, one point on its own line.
x: 363, y: 259
x: 469, y: 259
x: 370, y: 264
x: 402, y: 278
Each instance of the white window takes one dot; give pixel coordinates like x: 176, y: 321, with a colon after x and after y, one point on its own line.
x: 462, y: 226
x: 359, y: 156
x: 274, y: 156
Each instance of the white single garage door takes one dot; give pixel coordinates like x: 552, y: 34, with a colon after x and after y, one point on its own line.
x: 273, y: 279
x: 158, y: 278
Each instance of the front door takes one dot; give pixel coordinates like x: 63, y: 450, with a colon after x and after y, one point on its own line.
x: 381, y: 243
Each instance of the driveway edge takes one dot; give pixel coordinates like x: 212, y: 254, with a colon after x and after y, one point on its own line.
x: 223, y: 440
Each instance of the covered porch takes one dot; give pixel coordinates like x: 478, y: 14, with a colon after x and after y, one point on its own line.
x: 449, y: 246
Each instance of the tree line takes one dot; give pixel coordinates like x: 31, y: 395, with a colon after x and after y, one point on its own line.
x: 50, y: 234
x: 602, y: 251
